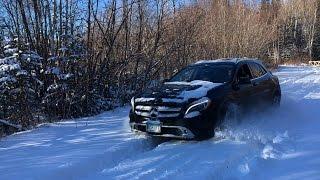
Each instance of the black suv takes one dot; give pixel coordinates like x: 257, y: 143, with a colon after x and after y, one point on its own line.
x: 197, y: 99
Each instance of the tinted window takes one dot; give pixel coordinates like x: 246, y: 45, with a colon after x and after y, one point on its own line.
x: 262, y: 70
x: 257, y: 70
x: 212, y: 73
x: 244, y: 72
x: 184, y: 75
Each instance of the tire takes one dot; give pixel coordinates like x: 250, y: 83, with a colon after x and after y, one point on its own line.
x: 229, y: 113
x: 204, y: 134
x: 225, y: 112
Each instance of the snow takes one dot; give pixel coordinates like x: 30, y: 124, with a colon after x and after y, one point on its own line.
x: 10, y: 124
x: 9, y: 67
x: 53, y: 87
x: 63, y: 49
x: 22, y: 72
x: 54, y: 58
x: 31, y: 57
x: 312, y: 95
x: 7, y: 79
x: 233, y: 60
x: 53, y: 70
x: 11, y: 50
x: 8, y: 60
x: 7, y: 46
x: 65, y: 76
x: 144, y: 99
x: 275, y: 144
x: 56, y: 71
x: 205, y: 86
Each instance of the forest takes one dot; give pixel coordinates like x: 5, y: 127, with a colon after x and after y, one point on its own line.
x: 62, y: 59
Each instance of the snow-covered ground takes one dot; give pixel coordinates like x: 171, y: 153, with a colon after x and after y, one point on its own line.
x: 282, y: 144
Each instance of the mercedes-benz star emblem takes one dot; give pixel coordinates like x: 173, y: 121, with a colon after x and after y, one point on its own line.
x: 154, y: 113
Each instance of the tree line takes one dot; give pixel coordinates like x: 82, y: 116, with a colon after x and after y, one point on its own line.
x: 70, y: 58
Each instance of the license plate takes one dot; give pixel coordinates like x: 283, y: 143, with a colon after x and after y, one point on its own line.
x: 154, y: 126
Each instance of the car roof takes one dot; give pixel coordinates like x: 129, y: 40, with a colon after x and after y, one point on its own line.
x: 229, y: 61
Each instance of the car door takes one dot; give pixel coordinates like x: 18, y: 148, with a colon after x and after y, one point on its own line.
x: 260, y: 83
x: 244, y: 90
x: 268, y: 84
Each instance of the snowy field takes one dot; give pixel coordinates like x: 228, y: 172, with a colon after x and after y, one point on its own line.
x: 282, y: 144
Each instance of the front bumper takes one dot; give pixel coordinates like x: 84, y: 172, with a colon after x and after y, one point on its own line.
x: 178, y: 132
x: 180, y: 127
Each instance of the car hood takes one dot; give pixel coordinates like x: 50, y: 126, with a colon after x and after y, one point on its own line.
x: 177, y: 92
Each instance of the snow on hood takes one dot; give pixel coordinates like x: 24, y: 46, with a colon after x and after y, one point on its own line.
x: 195, y: 83
x: 178, y: 92
x: 204, y: 87
x: 144, y: 99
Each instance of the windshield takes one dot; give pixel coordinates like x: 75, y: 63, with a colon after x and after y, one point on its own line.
x: 212, y: 73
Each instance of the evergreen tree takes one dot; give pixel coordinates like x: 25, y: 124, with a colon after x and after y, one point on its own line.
x: 2, y: 38
x: 64, y: 96
x: 18, y: 84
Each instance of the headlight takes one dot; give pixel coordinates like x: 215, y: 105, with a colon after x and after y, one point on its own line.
x: 132, y: 103
x: 197, y: 106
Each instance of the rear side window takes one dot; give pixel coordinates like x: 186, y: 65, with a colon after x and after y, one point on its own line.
x: 262, y: 69
x: 257, y: 70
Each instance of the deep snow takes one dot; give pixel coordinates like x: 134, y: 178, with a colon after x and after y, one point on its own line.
x: 281, y: 144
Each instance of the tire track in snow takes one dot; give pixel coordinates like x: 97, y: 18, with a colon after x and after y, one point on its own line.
x: 109, y: 158
x: 130, y: 145
x: 72, y: 149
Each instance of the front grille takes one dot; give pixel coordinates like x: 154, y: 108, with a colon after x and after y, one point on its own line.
x: 166, y: 131
x: 157, y: 111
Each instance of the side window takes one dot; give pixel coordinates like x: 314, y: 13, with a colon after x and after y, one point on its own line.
x: 257, y: 71
x: 244, y: 72
x: 262, y: 70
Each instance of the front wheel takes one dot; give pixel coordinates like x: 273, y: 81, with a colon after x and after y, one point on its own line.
x: 276, y: 99
x: 204, y: 134
x: 229, y: 113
